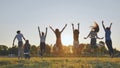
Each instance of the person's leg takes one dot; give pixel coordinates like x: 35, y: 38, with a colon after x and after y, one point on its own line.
x: 18, y: 52
x: 95, y: 47
x: 41, y: 49
x: 91, y: 47
x: 44, y: 47
x: 111, y: 48
x: 76, y: 45
x: 21, y: 49
x: 29, y: 54
x: 93, y: 44
x: 108, y: 46
x: 21, y: 52
x: 26, y: 53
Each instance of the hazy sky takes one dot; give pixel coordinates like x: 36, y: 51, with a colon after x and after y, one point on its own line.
x: 27, y: 15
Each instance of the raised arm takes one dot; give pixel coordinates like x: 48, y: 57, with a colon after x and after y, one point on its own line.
x: 46, y: 32
x: 103, y: 25
x: 73, y: 26
x: 110, y: 25
x: 63, y: 28
x: 78, y: 26
x: 39, y: 31
x: 52, y: 29
x: 88, y: 35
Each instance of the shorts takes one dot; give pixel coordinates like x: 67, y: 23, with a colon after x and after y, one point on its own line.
x: 42, y: 45
x: 20, y: 49
x: 20, y: 44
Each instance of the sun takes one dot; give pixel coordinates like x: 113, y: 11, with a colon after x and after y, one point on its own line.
x: 67, y: 40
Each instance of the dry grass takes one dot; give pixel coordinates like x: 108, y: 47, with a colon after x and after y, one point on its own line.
x: 61, y: 62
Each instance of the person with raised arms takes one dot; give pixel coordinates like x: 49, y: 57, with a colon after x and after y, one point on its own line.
x: 57, y: 33
x: 93, y: 35
x: 42, y: 40
x: 108, y: 40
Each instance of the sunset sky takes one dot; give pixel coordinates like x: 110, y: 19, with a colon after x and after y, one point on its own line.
x: 27, y: 15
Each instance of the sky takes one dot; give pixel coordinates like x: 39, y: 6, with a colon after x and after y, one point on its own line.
x: 27, y: 15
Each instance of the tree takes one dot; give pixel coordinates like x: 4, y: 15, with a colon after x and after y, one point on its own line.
x: 3, y: 50
x: 33, y: 50
x: 47, y: 50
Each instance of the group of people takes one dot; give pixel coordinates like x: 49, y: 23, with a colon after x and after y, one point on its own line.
x: 58, y: 44
x: 93, y: 35
x: 22, y: 49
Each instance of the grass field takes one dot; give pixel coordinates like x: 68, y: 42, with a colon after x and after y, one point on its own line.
x: 61, y: 62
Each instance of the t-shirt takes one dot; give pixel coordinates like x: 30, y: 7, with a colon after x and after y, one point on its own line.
x: 107, y: 34
x: 93, y: 34
x: 42, y: 39
x: 19, y: 37
x: 27, y: 47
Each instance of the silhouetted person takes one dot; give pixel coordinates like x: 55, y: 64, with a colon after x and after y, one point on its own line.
x: 75, y: 36
x: 93, y: 35
x: 27, y: 50
x: 108, y: 40
x: 19, y: 37
x: 76, y: 39
x: 58, y: 36
x: 42, y: 40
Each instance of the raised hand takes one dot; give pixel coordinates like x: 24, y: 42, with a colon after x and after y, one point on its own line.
x: 65, y: 25
x: 38, y: 27
x: 72, y: 24
x: 46, y: 28
x: 85, y: 37
x: 39, y: 31
x: 50, y: 26
x: 102, y: 21
x: 103, y: 24
x: 110, y: 23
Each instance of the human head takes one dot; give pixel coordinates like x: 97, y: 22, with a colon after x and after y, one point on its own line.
x: 42, y: 33
x: 18, y: 32
x: 108, y: 28
x: 27, y: 41
x: 56, y: 30
x: 76, y: 31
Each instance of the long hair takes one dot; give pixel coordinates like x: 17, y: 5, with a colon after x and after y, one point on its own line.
x: 95, y: 27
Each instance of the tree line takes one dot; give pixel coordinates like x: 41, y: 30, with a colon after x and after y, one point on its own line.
x: 82, y: 50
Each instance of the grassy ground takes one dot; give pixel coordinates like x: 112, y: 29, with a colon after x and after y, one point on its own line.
x: 64, y: 62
